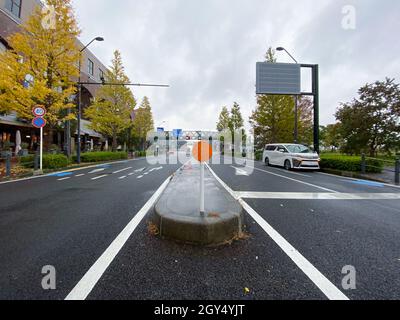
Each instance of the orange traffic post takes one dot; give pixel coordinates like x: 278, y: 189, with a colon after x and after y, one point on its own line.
x: 202, y: 152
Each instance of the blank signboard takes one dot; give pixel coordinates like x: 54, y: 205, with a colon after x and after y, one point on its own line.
x: 278, y: 78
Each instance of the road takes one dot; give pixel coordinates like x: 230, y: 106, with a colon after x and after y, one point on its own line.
x: 302, y: 229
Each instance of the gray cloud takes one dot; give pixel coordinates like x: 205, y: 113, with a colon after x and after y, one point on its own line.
x: 207, y: 50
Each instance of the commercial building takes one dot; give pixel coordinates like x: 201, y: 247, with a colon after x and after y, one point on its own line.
x: 12, y: 14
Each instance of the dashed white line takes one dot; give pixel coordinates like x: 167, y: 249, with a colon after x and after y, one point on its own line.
x: 140, y: 177
x: 90, y: 279
x: 62, y: 179
x: 97, y: 170
x: 122, y: 170
x: 100, y: 177
x: 123, y: 177
x: 80, y: 175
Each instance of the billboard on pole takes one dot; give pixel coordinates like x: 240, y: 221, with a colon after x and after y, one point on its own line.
x: 278, y: 78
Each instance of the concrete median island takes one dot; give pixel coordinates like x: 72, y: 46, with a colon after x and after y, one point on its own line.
x: 177, y: 212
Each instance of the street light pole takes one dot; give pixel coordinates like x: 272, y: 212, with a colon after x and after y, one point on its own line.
x: 296, y: 103
x: 78, y: 151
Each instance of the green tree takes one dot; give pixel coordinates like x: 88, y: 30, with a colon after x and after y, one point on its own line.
x: 224, y: 120
x: 236, y: 119
x: 143, y: 123
x: 110, y: 114
x: 372, y: 122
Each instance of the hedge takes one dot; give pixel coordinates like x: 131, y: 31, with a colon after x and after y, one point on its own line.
x: 139, y: 154
x: 350, y: 163
x: 50, y: 161
x: 102, y: 156
x: 258, y: 155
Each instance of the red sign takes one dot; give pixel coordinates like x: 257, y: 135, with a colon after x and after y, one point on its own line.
x: 39, y: 111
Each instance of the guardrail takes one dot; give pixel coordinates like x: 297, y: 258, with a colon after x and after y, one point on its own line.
x: 394, y: 163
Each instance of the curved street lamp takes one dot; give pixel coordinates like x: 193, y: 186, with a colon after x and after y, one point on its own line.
x: 296, y: 111
x: 78, y: 153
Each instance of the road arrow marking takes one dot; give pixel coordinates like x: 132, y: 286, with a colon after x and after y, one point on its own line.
x: 240, y: 172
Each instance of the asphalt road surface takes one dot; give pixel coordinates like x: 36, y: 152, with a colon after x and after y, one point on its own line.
x: 303, y: 228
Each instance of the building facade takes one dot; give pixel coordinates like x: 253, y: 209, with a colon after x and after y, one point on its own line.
x: 12, y: 14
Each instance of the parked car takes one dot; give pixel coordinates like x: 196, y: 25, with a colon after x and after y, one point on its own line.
x: 291, y: 156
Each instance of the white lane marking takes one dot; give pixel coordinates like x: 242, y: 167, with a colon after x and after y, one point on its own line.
x: 100, y: 177
x: 327, y: 287
x: 318, y: 196
x: 156, y: 169
x: 72, y: 170
x: 140, y: 170
x: 97, y: 170
x: 62, y: 179
x: 295, y: 180
x: 140, y: 177
x: 121, y: 178
x: 90, y: 279
x: 80, y: 175
x: 122, y: 170
x: 240, y: 172
x: 131, y: 174
x: 355, y: 179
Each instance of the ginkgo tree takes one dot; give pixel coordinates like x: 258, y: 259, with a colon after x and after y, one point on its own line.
x: 110, y: 113
x: 41, y: 65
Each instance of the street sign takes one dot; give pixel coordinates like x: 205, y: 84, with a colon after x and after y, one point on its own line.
x: 202, y: 151
x: 177, y: 133
x: 160, y: 130
x: 278, y: 78
x: 39, y: 111
x: 39, y: 122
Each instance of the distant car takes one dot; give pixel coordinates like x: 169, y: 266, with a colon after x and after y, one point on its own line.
x: 291, y: 156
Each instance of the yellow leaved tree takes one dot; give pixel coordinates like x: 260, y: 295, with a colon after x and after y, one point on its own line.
x: 41, y: 66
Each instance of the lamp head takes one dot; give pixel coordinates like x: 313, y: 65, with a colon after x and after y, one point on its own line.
x: 99, y: 39
x: 280, y: 49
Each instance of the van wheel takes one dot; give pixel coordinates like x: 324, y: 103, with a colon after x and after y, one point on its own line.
x: 267, y: 162
x: 288, y: 166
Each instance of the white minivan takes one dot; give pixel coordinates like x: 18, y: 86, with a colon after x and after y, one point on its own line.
x: 291, y: 156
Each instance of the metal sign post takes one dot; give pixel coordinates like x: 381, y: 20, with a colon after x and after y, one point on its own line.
x: 285, y: 79
x: 202, y: 197
x: 41, y: 149
x: 202, y: 152
x: 39, y: 122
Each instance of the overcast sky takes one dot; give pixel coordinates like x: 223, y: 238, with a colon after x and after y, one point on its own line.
x: 207, y: 49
